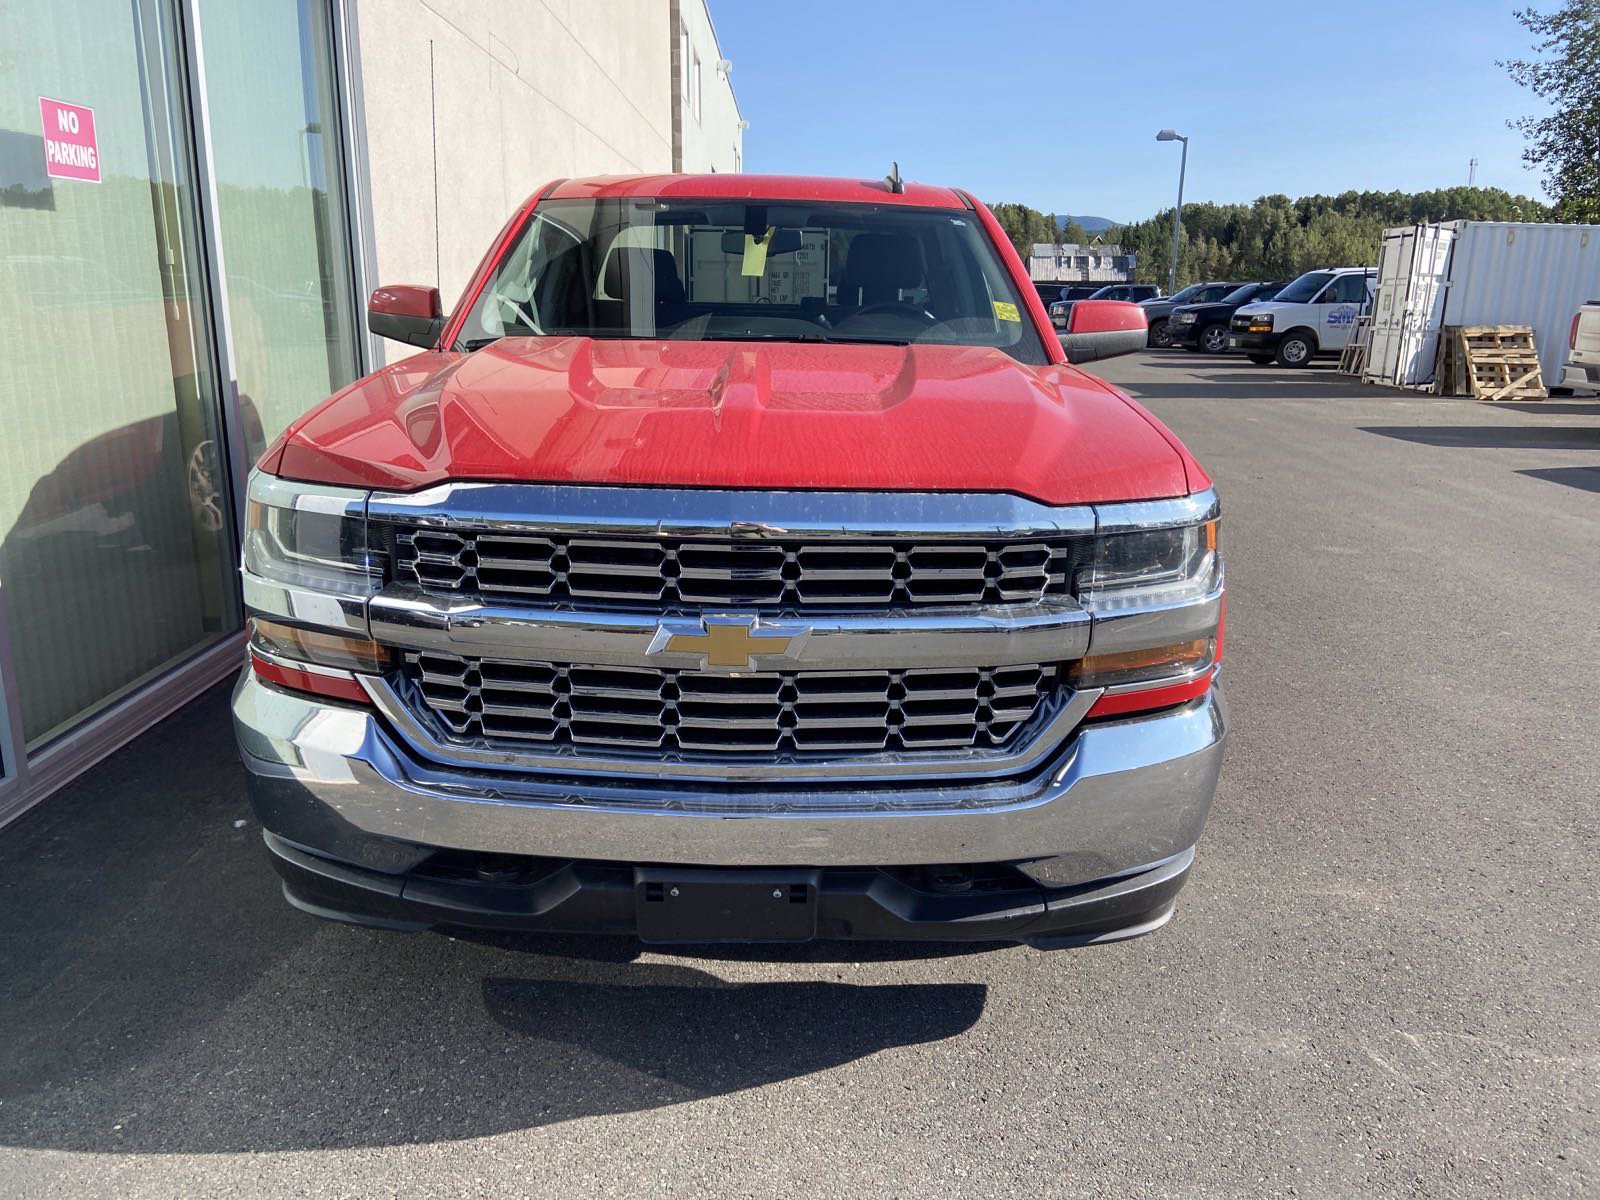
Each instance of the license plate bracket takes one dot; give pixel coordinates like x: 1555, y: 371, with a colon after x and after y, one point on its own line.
x: 687, y: 905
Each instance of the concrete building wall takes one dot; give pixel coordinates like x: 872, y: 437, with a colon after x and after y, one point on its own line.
x: 709, y: 132
x: 469, y: 107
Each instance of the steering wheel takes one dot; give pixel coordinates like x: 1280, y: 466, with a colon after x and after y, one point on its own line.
x: 899, y: 308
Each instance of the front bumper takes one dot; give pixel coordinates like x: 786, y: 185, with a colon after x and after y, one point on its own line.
x: 1258, y: 343
x: 346, y: 802
x: 841, y: 903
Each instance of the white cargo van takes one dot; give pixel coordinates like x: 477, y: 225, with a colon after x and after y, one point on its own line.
x: 1313, y: 315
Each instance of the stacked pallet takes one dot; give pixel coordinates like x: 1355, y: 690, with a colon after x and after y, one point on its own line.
x: 1488, y: 362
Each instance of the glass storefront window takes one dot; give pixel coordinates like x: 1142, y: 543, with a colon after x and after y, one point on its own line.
x: 116, y: 542
x: 280, y: 205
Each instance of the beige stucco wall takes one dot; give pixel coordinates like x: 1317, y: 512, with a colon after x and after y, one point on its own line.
x: 523, y: 91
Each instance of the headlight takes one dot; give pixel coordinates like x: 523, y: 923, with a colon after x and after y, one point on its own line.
x: 1150, y: 567
x: 1258, y: 322
x: 309, y: 536
x: 1185, y: 318
x: 1154, y: 581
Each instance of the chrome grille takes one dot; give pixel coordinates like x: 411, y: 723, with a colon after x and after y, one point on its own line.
x: 667, y: 573
x: 705, y: 714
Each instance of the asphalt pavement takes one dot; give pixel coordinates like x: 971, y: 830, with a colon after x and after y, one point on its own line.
x: 1381, y: 979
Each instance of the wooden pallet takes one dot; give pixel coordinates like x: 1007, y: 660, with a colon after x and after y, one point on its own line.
x: 1353, y: 359
x: 1488, y: 362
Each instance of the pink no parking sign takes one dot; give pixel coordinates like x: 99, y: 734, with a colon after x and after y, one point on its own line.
x: 70, y: 150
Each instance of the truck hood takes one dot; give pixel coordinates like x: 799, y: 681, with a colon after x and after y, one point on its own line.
x: 738, y: 415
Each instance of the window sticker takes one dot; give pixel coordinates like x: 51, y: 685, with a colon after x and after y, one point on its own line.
x: 1006, y: 312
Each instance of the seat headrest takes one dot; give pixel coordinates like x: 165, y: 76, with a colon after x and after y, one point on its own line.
x: 635, y: 269
x: 883, y: 260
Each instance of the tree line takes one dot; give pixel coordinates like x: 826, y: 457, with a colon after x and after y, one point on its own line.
x: 1276, y: 237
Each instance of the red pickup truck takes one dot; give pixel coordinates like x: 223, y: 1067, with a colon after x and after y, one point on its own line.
x: 742, y: 559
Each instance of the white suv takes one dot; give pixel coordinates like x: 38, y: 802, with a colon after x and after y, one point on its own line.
x: 1313, y: 315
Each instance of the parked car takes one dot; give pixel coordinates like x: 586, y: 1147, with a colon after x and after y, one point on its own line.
x: 811, y: 593
x: 1137, y: 293
x: 1583, y: 349
x: 1158, y: 311
x: 1312, y: 315
x: 1204, y: 327
x: 1132, y: 292
x: 1050, y: 291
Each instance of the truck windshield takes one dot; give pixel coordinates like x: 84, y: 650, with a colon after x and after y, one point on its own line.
x: 1302, y: 290
x: 754, y: 271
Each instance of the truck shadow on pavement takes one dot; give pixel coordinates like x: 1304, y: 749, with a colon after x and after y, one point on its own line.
x: 1585, y: 479
x: 158, y: 996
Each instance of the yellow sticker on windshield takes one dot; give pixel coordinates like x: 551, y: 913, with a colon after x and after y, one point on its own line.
x: 755, y: 253
x: 1006, y: 312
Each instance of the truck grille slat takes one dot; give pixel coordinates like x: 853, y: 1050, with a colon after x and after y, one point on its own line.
x: 658, y: 573
x: 730, y: 715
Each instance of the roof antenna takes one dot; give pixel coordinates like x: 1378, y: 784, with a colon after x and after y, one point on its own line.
x: 892, y: 180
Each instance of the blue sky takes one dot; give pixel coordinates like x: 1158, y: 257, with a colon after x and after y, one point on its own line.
x: 1057, y: 104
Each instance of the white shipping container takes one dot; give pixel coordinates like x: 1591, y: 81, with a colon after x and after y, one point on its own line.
x: 1494, y: 273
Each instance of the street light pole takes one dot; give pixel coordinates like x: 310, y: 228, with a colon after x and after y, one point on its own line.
x: 1172, y: 135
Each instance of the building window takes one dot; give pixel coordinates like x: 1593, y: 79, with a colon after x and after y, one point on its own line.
x: 694, y: 85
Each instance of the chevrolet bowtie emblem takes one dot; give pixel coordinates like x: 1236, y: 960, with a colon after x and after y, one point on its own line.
x: 728, y: 643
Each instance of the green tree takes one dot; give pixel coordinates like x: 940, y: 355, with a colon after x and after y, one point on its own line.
x: 1025, y: 226
x: 1565, y: 144
x: 1279, y: 238
x: 1073, y: 234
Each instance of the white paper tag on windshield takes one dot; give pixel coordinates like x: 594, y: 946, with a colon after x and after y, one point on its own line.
x: 755, y: 253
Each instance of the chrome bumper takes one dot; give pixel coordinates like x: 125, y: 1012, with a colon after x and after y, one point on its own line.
x: 332, y: 778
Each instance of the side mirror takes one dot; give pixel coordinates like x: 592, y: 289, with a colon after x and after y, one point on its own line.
x: 406, y: 313
x: 1099, y: 329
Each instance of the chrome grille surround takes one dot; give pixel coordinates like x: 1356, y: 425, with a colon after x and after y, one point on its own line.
x: 710, y: 715
x: 545, y: 646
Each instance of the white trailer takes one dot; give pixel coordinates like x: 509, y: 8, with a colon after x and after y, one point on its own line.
x: 1477, y: 273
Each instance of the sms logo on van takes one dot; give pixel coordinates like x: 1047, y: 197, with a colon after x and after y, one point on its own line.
x: 1343, y: 315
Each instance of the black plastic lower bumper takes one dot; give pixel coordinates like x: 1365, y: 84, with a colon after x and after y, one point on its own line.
x: 1253, y: 343
x: 697, y: 905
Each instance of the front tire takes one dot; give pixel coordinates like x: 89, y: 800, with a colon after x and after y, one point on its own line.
x: 1160, y: 335
x: 1214, y: 339
x: 1296, y: 349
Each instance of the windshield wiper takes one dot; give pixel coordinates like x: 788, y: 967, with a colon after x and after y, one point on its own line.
x: 479, y: 343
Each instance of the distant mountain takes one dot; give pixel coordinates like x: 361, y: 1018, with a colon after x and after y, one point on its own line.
x: 1091, y: 224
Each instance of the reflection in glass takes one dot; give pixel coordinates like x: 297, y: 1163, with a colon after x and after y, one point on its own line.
x: 115, y: 553
x: 274, y: 124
